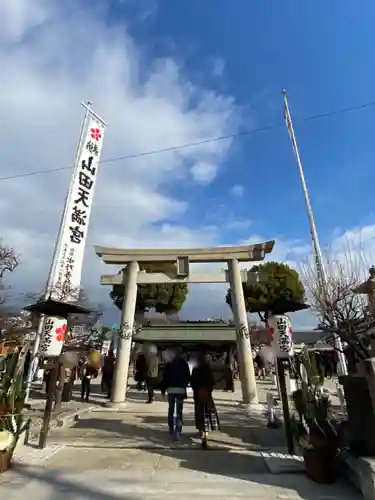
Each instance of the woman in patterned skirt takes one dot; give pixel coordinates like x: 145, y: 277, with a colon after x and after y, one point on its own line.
x: 202, y: 384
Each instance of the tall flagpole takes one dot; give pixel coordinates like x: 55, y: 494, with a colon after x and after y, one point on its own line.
x: 49, y: 284
x: 319, y: 263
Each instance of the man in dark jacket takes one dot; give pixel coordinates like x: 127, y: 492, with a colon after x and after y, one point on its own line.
x: 175, y: 382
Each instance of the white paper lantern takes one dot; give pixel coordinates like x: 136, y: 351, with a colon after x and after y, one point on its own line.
x: 280, y: 328
x: 53, y: 336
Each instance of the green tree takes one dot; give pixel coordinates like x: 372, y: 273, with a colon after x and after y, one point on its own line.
x: 276, y: 282
x: 165, y: 298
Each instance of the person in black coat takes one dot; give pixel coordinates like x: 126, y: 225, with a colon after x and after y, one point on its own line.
x: 202, y: 384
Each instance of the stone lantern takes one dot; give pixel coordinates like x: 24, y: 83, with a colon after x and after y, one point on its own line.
x: 368, y: 288
x: 359, y: 388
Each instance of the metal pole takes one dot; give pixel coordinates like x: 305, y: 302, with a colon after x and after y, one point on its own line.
x: 51, y: 275
x: 321, y: 272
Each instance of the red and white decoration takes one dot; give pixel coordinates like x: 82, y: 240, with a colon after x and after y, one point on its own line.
x: 280, y: 329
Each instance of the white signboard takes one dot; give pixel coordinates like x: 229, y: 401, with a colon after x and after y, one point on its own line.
x: 67, y: 267
x: 280, y: 328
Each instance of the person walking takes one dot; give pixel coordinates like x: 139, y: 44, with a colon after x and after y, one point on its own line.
x: 202, y: 383
x: 228, y: 374
x: 108, y: 369
x: 152, y: 374
x: 327, y: 365
x: 175, y: 381
x: 87, y: 372
x: 261, y: 369
x: 140, y: 371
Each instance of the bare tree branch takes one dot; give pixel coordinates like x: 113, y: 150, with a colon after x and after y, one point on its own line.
x: 340, y: 310
x: 80, y: 327
x: 9, y: 260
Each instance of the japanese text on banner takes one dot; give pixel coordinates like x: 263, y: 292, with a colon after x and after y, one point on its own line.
x: 65, y: 284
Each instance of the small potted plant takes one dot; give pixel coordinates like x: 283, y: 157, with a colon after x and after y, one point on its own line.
x: 314, y: 426
x: 12, y: 397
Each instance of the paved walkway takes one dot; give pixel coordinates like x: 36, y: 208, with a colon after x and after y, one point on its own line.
x: 37, y: 402
x: 128, y: 454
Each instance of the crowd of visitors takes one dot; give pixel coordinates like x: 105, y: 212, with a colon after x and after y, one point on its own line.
x: 175, y: 374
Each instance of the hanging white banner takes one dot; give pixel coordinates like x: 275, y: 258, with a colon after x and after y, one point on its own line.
x: 280, y: 328
x: 65, y: 281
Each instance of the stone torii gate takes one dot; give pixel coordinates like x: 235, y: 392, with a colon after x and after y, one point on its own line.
x: 132, y: 276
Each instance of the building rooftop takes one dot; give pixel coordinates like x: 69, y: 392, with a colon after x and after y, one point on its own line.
x: 213, y: 332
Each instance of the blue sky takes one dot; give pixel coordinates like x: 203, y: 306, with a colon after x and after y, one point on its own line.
x: 169, y: 72
x: 322, y: 53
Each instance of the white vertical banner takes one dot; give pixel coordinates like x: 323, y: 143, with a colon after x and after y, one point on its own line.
x: 65, y: 281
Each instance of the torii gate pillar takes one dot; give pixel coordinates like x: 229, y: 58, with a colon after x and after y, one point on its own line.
x: 244, y: 354
x: 120, y: 382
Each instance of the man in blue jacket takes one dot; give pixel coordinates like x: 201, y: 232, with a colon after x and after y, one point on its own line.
x: 175, y: 382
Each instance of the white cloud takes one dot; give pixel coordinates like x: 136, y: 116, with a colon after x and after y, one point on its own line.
x: 48, y: 65
x: 237, y: 190
x: 46, y: 73
x: 237, y: 224
x: 203, y: 172
x: 218, y: 66
x: 355, y: 248
x: 19, y: 16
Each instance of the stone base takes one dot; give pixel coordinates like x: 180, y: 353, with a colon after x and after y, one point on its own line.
x: 114, y: 405
x: 283, y: 463
x: 361, y: 472
x: 252, y: 408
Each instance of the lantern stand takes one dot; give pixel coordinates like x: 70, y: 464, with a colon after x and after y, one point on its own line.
x: 52, y: 307
x: 283, y: 361
x: 281, y: 364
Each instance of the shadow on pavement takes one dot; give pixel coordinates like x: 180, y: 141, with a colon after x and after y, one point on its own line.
x: 62, y: 488
x: 230, y: 463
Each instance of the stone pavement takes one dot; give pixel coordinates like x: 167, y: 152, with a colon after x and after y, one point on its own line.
x: 128, y: 454
x: 37, y: 403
